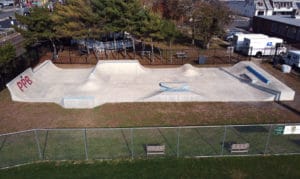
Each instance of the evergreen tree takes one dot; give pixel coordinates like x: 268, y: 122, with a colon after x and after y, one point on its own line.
x: 36, y: 27
x: 118, y: 15
x: 76, y: 19
x: 8, y: 52
x: 130, y: 16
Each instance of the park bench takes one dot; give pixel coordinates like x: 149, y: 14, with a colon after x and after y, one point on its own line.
x: 144, y: 53
x: 155, y: 149
x: 240, y: 148
x: 181, y: 55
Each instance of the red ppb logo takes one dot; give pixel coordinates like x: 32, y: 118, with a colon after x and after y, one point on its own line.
x: 24, y: 83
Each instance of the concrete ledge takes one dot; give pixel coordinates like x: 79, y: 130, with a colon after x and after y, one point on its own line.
x: 78, y: 102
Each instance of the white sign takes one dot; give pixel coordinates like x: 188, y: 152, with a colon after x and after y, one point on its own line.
x: 291, y: 130
x: 230, y: 50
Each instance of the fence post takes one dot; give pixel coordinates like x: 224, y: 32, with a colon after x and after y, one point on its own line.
x: 268, y: 139
x: 250, y: 56
x: 131, y: 136
x: 224, y: 137
x: 178, y: 140
x: 38, y: 144
x: 85, y: 144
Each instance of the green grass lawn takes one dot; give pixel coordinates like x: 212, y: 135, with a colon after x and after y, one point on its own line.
x: 126, y: 143
x: 234, y: 167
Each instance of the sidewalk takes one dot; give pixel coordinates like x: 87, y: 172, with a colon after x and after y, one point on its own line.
x: 9, y: 9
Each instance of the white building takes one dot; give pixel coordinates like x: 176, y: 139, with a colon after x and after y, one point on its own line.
x: 252, y: 8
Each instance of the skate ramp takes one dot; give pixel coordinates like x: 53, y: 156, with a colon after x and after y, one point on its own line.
x: 112, y: 81
x: 46, y: 83
x: 273, y: 85
x: 116, y: 67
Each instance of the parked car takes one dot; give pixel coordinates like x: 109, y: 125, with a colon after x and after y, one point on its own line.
x: 231, y: 32
x: 4, y: 3
x: 24, y: 10
x: 292, y: 58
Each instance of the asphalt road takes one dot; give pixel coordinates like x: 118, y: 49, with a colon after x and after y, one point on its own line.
x: 6, y: 23
x: 7, y: 11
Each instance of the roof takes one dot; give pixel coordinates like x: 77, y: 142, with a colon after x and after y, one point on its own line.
x: 295, y: 52
x: 287, y: 19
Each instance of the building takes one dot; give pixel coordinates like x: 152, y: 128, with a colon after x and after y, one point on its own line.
x: 251, y: 8
x: 285, y: 26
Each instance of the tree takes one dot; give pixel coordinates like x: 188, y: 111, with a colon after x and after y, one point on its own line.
x: 8, y: 52
x: 204, y: 18
x: 76, y: 19
x: 130, y: 16
x: 83, y: 19
x: 37, y: 27
x: 208, y: 20
x: 169, y: 30
x: 118, y: 15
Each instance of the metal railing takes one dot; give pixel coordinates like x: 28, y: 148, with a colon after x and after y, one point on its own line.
x: 110, y: 143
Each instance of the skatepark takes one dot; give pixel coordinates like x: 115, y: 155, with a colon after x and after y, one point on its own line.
x: 116, y: 81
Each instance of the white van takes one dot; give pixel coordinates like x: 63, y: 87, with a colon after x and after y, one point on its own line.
x: 238, y: 40
x: 263, y: 47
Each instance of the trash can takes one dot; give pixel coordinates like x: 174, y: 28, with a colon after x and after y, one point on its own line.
x: 286, y: 68
x: 202, y: 60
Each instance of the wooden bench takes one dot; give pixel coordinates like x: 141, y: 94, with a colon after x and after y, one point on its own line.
x: 144, y: 53
x: 155, y: 149
x: 240, y: 148
x: 181, y: 55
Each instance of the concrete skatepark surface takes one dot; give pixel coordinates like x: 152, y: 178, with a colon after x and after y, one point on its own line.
x: 114, y: 81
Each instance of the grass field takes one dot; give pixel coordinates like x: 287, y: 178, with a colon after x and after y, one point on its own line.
x: 234, y: 167
x: 93, y: 144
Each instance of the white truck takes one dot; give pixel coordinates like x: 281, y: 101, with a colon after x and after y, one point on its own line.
x: 292, y: 58
x: 238, y: 40
x: 259, y: 47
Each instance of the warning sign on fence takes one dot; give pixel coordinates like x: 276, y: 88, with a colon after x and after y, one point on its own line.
x: 291, y: 130
x: 230, y: 50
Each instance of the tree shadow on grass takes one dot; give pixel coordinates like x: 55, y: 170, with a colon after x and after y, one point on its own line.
x: 126, y: 142
x: 167, y: 142
x: 250, y: 129
x: 3, y: 143
x: 206, y: 141
x: 45, y: 145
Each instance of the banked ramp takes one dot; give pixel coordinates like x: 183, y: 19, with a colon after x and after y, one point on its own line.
x: 114, y: 81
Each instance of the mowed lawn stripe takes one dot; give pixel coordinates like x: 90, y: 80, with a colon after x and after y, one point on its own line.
x: 234, y: 167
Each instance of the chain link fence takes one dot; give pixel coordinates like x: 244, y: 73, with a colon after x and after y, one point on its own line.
x: 149, y: 55
x: 110, y: 143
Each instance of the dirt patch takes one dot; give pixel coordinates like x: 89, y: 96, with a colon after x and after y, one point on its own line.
x: 16, y: 116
